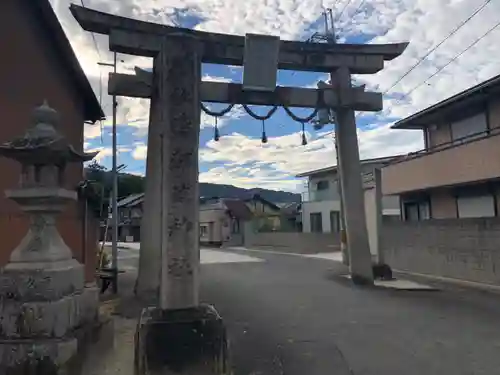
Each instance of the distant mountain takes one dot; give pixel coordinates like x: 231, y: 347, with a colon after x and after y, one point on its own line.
x: 230, y: 191
x: 131, y: 184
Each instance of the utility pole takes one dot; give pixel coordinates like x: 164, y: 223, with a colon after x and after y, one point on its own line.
x: 114, y: 173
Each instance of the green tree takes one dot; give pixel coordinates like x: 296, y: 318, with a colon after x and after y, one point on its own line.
x: 130, y: 184
x: 102, y: 182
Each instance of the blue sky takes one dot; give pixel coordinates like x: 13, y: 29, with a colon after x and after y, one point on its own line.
x: 239, y: 158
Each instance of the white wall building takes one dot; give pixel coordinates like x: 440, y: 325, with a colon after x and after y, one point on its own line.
x: 321, y: 205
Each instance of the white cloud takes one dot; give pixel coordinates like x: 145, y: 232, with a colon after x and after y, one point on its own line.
x: 424, y: 23
x: 135, y: 173
x: 244, y: 178
x: 105, y: 152
x: 273, y: 163
x: 210, y: 78
x: 92, y: 131
x: 140, y: 151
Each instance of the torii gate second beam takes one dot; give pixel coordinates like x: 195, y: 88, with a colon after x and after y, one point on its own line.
x: 140, y: 86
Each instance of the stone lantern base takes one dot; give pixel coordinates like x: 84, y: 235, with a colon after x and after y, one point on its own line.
x: 46, y: 317
x: 46, y: 312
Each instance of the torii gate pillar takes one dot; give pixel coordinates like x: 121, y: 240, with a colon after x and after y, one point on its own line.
x: 172, y: 197
x: 360, y: 261
x: 181, y: 336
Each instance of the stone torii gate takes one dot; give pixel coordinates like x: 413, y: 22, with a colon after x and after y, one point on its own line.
x: 176, y: 91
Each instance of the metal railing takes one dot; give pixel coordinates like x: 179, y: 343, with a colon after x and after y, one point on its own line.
x: 323, y: 195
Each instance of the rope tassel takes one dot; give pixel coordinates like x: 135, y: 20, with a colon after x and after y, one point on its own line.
x: 304, y: 138
x: 264, y: 136
x: 216, y: 131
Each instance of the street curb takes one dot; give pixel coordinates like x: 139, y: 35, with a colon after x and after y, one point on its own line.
x: 455, y: 282
x: 303, y: 255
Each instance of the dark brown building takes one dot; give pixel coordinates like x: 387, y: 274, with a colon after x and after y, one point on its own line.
x: 38, y: 63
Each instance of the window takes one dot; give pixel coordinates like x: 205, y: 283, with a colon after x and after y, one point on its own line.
x: 417, y: 210
x: 469, y: 126
x: 322, y: 185
x: 316, y: 222
x: 334, y: 221
x: 476, y: 206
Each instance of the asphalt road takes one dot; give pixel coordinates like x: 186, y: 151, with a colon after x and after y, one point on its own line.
x: 291, y: 315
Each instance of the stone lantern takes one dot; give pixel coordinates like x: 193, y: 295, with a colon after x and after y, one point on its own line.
x: 43, y: 300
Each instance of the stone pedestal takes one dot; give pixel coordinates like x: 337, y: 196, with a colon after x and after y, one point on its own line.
x: 184, y: 341
x: 42, y: 308
x: 45, y: 308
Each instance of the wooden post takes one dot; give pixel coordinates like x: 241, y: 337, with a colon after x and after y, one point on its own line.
x: 352, y: 189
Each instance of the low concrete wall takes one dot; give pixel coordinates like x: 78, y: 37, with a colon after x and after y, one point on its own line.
x: 467, y: 249
x: 304, y: 243
x: 234, y: 240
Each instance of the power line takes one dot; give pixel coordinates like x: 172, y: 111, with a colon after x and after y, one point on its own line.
x: 359, y: 8
x: 356, y: 11
x: 93, y: 35
x: 456, y: 57
x: 453, y: 59
x: 100, y: 73
x: 343, y: 10
x: 463, y: 23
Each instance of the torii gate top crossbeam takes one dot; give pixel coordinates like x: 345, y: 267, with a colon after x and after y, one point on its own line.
x: 141, y: 38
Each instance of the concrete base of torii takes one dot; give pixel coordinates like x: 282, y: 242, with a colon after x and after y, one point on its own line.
x: 181, y: 341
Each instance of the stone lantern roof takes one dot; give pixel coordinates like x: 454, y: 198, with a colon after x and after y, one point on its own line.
x: 42, y: 144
